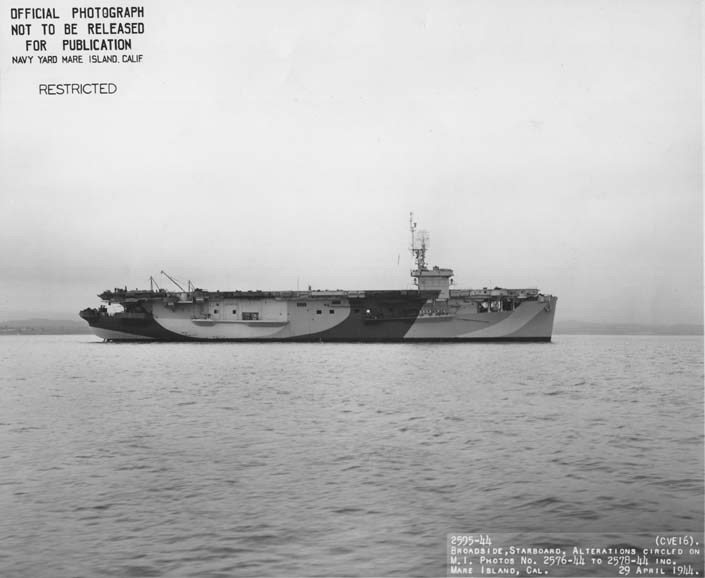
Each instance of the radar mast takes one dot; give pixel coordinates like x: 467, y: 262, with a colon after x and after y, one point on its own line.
x: 420, y: 241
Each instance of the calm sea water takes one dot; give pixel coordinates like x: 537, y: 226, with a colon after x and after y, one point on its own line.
x: 336, y: 459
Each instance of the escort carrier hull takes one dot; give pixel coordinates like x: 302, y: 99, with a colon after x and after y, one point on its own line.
x: 432, y: 312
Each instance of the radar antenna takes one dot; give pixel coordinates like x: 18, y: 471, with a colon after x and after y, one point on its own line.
x: 420, y: 241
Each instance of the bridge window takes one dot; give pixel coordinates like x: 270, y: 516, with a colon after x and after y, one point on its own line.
x: 250, y: 316
x: 301, y: 304
x: 332, y: 311
x: 318, y: 311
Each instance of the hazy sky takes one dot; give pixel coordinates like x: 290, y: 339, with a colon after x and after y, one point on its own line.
x: 258, y: 145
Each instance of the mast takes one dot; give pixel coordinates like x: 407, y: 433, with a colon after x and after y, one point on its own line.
x: 419, y: 244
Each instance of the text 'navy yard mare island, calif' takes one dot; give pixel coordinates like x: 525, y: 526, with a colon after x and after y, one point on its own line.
x: 431, y: 312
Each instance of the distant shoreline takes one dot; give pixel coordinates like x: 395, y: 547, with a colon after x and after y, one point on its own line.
x: 590, y: 328
x: 45, y: 327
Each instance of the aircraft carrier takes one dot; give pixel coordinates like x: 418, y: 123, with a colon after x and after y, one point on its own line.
x: 433, y: 311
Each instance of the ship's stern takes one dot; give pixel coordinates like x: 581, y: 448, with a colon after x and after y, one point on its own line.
x: 114, y: 328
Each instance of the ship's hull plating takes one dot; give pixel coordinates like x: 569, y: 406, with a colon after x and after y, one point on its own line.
x: 382, y: 316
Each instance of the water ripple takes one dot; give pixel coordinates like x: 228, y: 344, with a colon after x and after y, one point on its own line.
x: 276, y: 459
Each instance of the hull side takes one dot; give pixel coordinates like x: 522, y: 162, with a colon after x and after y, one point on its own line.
x: 113, y: 335
x: 120, y: 329
x: 531, y: 321
x: 374, y: 317
x: 393, y: 317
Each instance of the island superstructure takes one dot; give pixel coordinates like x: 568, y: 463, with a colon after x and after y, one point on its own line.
x: 433, y: 311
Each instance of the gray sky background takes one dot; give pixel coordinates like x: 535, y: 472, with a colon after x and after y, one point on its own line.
x: 259, y: 145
